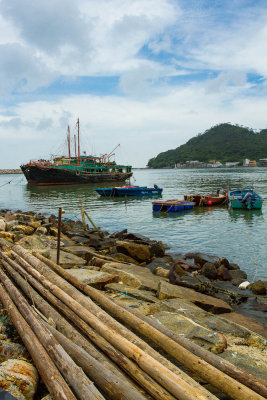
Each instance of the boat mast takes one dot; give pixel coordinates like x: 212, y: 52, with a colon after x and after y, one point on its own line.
x: 78, y: 124
x: 75, y: 145
x: 69, y: 140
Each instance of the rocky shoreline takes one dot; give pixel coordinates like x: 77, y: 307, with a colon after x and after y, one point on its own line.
x: 203, y: 298
x: 10, y: 171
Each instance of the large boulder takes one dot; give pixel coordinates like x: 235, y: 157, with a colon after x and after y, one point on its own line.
x: 144, y: 295
x: 208, y: 303
x: 209, y: 270
x: 139, y: 252
x: 258, y: 287
x: 2, y: 225
x: 97, y: 279
x: 201, y: 258
x: 188, y: 328
x: 33, y: 242
x: 126, y: 277
x: 7, y: 236
x: 67, y: 260
x: 238, y: 276
x: 19, y: 378
x: 25, y: 229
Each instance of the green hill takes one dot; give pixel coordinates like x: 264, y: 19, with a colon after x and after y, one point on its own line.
x: 224, y: 142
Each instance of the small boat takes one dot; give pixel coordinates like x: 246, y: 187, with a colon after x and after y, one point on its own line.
x: 123, y: 191
x: 245, y: 199
x: 172, y: 205
x: 208, y: 200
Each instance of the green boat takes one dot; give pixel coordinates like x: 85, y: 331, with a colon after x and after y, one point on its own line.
x: 245, y: 199
x: 77, y: 169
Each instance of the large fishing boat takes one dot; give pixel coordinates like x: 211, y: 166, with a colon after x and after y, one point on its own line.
x: 77, y: 169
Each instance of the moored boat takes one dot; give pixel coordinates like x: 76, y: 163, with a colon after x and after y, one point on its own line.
x: 129, y: 191
x: 245, y: 199
x: 207, y: 200
x: 77, y: 169
x: 172, y: 205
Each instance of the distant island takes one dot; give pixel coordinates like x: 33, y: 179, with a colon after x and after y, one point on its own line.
x: 10, y: 171
x: 222, y: 145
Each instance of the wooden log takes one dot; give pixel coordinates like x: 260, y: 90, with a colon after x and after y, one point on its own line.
x: 74, y: 375
x: 207, y: 371
x: 87, y: 303
x: 46, y: 368
x: 170, y: 381
x: 94, y: 370
x: 118, y: 386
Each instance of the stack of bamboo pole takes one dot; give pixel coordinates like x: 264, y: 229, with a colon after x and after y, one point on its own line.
x: 96, y: 356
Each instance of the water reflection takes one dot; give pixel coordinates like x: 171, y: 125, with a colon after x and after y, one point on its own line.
x: 176, y: 214
x: 249, y: 216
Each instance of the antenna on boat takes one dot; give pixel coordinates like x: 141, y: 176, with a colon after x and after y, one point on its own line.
x: 78, y: 125
x: 69, y: 140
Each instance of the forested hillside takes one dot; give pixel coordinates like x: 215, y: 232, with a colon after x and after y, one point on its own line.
x: 224, y: 142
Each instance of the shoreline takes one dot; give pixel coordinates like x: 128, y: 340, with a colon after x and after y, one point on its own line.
x: 186, y: 296
x: 10, y: 171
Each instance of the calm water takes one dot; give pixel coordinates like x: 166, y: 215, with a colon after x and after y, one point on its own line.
x: 239, y: 235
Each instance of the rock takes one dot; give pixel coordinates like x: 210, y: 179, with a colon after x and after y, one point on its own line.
x: 126, y: 277
x: 33, y: 242
x: 208, y: 303
x: 238, y: 274
x: 119, y: 235
x: 139, y: 252
x: 185, y: 326
x: 97, y: 279
x: 53, y: 231
x: 10, y: 350
x: 158, y: 262
x: 244, y: 285
x: 41, y: 230
x: 233, y: 266
x: 201, y: 258
x: 67, y: 260
x: 48, y: 397
x: 143, y: 307
x: 223, y: 273
x: 80, y: 239
x: 157, y: 249
x: 258, y: 288
x: 222, y: 261
x: 27, y: 230
x: 10, y: 225
x: 244, y: 361
x: 124, y: 258
x: 7, y: 236
x: 162, y: 272
x: 2, y: 225
x: 5, y: 244
x: 209, y: 270
x: 35, y: 224
x: 132, y: 292
x: 19, y: 378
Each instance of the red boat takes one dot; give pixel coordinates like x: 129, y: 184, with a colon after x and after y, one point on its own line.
x: 208, y: 200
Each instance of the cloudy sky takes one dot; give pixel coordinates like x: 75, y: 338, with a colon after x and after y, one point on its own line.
x: 148, y: 74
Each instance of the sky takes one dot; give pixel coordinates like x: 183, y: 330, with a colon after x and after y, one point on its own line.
x: 145, y: 74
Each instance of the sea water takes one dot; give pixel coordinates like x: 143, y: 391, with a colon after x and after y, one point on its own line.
x: 238, y: 235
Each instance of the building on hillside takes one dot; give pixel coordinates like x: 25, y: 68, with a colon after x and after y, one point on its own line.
x: 252, y: 163
x: 246, y: 162
x: 231, y: 164
x: 263, y: 162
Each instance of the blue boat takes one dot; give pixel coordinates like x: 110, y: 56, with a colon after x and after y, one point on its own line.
x: 129, y: 191
x: 172, y: 205
x: 245, y: 199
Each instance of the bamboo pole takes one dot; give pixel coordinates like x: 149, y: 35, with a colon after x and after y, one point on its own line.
x: 118, y: 387
x: 170, y: 381
x: 87, y: 303
x: 46, y: 368
x: 76, y: 378
x: 207, y: 371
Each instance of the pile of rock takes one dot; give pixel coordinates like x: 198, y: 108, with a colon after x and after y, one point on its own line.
x: 192, y: 295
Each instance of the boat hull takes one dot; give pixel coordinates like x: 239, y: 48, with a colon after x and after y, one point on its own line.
x: 172, y: 205
x: 237, y: 200
x: 54, y: 176
x: 122, y: 192
x: 209, y: 200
